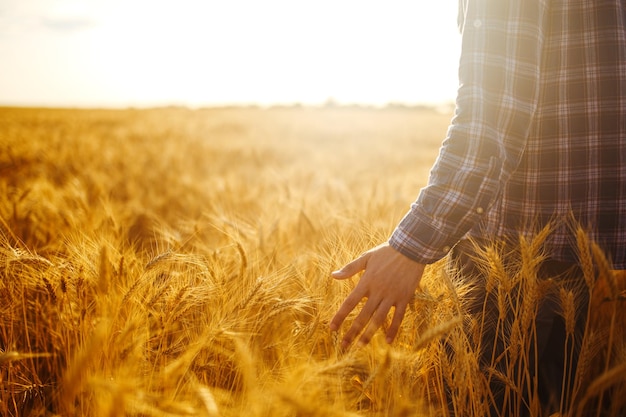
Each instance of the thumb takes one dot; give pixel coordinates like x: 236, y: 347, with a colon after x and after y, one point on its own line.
x: 352, y: 268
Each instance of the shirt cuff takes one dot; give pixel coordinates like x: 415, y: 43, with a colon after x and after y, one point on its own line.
x: 421, y: 240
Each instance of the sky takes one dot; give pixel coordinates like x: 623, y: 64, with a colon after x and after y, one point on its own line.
x: 123, y: 53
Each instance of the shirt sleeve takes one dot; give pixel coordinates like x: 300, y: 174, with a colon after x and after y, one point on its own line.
x: 499, y: 80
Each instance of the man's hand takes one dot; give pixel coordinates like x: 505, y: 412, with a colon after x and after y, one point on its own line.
x: 390, y: 280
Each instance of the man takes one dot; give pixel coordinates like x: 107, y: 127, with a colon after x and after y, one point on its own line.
x: 538, y: 136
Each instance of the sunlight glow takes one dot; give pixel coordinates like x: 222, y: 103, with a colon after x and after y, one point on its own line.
x: 192, y: 52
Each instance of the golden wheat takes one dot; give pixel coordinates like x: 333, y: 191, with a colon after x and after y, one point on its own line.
x: 174, y: 262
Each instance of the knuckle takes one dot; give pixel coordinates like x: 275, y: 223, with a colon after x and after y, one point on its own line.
x: 365, y: 338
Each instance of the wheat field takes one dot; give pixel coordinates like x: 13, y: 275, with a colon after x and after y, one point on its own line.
x: 176, y: 262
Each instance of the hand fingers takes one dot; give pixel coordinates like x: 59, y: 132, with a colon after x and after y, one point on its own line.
x: 352, y: 268
x: 398, y: 316
x: 348, y: 305
x: 360, y: 322
x: 371, y: 318
x: 376, y: 321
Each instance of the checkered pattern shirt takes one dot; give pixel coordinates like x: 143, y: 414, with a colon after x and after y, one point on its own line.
x: 539, y: 132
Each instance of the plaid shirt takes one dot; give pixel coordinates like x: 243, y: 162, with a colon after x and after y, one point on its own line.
x: 539, y: 132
